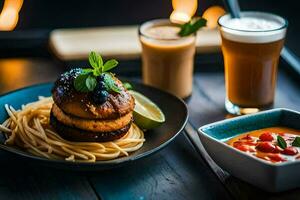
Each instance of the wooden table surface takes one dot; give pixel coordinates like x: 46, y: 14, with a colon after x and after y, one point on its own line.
x: 176, y: 172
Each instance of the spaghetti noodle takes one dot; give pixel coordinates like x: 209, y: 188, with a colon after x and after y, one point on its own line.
x: 29, y: 129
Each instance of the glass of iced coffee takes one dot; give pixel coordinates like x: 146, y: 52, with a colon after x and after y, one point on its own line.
x: 167, y: 58
x: 251, y: 48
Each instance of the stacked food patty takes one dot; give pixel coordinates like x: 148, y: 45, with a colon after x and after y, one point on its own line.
x: 77, y: 116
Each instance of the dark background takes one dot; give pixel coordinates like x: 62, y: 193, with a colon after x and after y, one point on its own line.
x: 38, y: 18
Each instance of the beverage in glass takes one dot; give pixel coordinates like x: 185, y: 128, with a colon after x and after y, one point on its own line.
x: 167, y: 58
x: 251, y: 47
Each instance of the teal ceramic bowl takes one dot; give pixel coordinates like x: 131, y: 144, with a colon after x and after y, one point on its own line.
x: 272, y: 177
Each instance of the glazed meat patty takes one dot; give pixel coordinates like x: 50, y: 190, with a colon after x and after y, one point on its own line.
x: 79, y: 104
x: 77, y: 117
x: 80, y: 135
x: 91, y: 124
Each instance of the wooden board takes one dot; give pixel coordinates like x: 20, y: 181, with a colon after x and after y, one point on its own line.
x: 117, y: 42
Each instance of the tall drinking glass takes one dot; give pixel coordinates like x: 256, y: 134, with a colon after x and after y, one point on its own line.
x: 168, y: 59
x: 251, y: 48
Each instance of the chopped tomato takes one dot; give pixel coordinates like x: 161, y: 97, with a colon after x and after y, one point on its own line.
x: 245, y: 148
x: 251, y: 143
x: 267, y: 136
x: 290, y: 151
x: 248, y: 137
x: 276, y: 157
x: 237, y: 143
x: 266, y: 147
x: 266, y: 144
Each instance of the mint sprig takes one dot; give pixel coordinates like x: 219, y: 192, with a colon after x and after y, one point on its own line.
x: 192, y: 26
x: 90, y: 82
x: 281, y: 142
x: 127, y: 86
x: 87, y: 80
x: 95, y: 60
x: 110, y: 64
x: 80, y: 82
x: 296, y: 142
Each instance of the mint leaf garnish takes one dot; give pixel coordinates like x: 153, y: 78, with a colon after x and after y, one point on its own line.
x: 87, y: 80
x: 281, y: 142
x: 110, y: 83
x: 97, y: 72
x: 192, y: 26
x: 296, y: 142
x: 127, y: 86
x: 109, y: 65
x: 80, y: 82
x: 88, y: 70
x: 95, y: 60
x: 90, y: 82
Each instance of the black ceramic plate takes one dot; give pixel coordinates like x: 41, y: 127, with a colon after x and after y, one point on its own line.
x: 174, y: 109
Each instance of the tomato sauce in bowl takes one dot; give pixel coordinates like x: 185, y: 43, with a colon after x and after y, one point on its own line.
x: 274, y: 144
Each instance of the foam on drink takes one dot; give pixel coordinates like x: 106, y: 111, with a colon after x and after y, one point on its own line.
x: 253, y: 27
x: 163, y: 34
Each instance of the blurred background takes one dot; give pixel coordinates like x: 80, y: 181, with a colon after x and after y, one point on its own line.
x: 36, y: 19
x: 26, y: 27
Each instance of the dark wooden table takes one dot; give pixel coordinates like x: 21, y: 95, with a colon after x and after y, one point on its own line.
x: 176, y: 172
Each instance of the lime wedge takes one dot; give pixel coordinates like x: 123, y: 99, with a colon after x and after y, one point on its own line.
x: 146, y: 114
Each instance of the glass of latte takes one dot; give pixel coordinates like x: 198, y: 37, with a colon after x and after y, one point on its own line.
x: 251, y: 47
x: 167, y: 58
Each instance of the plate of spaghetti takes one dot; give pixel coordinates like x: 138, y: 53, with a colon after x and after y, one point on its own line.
x: 86, y: 120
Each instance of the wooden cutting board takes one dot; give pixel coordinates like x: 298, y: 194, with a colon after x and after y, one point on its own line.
x: 118, y: 42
